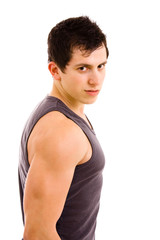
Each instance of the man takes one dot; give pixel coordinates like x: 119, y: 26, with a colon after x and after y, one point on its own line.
x: 61, y: 161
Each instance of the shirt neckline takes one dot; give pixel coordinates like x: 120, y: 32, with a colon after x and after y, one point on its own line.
x: 73, y: 113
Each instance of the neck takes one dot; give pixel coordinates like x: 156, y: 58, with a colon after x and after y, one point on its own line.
x: 78, y: 108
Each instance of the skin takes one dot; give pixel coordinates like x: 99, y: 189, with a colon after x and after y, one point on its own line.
x: 82, y: 73
x: 49, y: 176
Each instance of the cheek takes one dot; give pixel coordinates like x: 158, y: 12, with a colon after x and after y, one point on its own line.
x: 77, y: 80
x: 72, y: 83
x: 103, y: 77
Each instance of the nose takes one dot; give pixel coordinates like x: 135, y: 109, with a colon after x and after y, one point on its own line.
x: 94, y: 78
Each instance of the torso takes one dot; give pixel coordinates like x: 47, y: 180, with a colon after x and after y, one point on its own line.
x: 82, y: 203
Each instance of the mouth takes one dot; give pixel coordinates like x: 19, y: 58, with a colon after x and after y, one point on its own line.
x: 92, y: 92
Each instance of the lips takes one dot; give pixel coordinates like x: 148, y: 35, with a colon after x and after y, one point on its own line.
x: 92, y: 92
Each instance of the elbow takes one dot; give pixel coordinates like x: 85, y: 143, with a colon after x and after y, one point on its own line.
x: 30, y: 235
x: 39, y: 234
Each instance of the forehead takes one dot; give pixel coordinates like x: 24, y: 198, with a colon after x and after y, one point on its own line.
x: 94, y: 58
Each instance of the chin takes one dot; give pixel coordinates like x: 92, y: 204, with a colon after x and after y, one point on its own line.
x: 90, y: 101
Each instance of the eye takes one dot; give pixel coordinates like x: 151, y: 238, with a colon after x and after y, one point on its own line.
x: 82, y: 69
x: 101, y: 66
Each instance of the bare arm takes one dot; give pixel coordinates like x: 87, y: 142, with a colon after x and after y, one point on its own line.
x: 54, y: 155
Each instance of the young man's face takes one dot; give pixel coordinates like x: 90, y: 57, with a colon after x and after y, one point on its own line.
x: 84, y: 75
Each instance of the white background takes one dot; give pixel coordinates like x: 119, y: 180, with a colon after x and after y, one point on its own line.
x: 126, y: 116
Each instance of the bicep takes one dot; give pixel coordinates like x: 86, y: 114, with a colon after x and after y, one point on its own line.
x: 54, y: 152
x: 46, y: 190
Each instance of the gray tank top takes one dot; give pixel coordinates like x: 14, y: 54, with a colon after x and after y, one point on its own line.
x: 78, y: 218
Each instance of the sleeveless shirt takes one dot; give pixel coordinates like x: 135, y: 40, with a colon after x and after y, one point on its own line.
x: 78, y: 218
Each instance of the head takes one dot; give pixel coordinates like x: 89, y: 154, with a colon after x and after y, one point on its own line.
x: 74, y: 33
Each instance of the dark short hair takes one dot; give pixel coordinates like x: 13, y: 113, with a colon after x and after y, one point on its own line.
x: 78, y: 32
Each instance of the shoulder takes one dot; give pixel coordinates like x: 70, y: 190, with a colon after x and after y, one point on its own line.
x: 57, y: 137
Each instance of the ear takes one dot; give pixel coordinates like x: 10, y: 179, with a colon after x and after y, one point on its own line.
x: 54, y: 70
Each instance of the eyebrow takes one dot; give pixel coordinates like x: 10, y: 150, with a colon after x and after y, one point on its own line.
x: 88, y: 65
